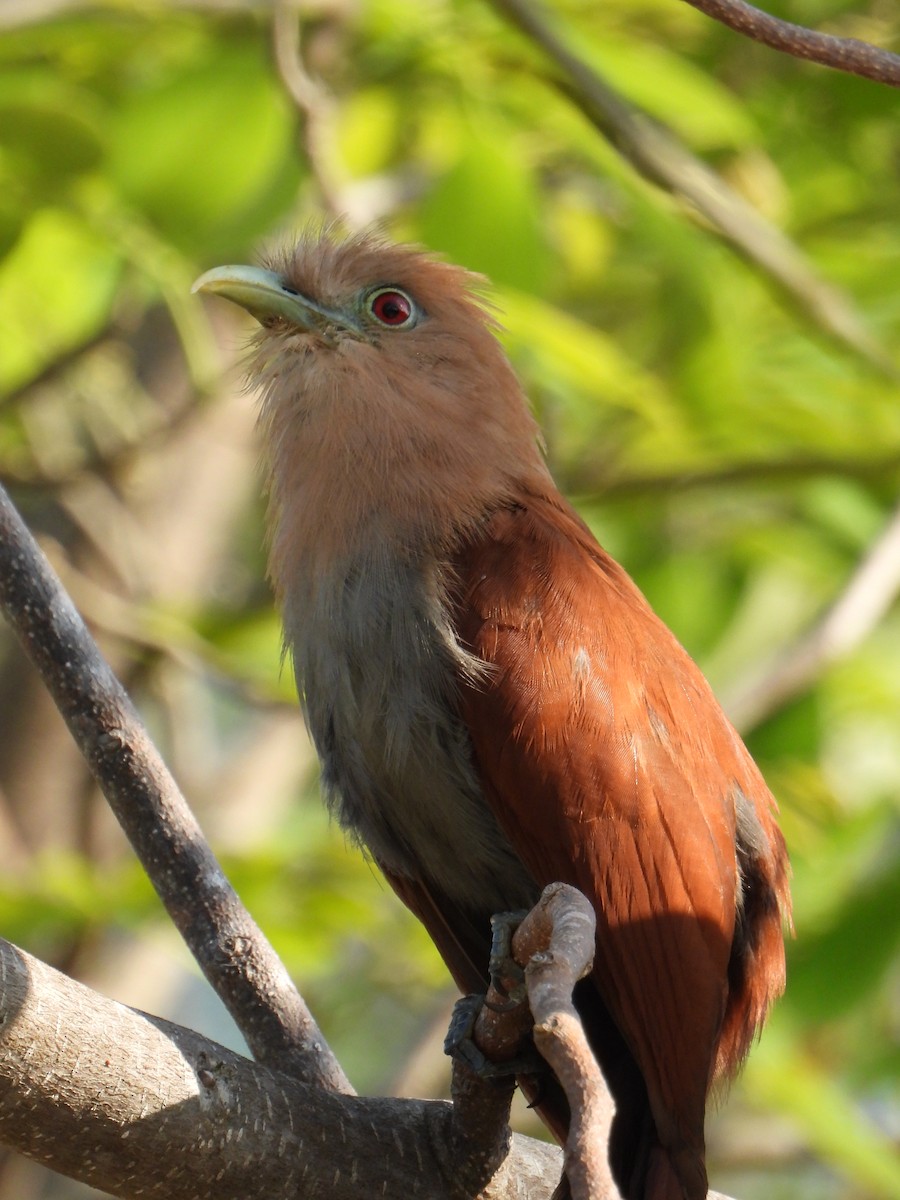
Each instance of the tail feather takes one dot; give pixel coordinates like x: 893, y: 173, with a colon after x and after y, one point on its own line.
x: 756, y: 970
x: 663, y: 1181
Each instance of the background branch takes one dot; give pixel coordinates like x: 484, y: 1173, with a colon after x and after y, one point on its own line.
x: 826, y: 49
x: 313, y: 105
x: 787, y: 470
x: 657, y: 154
x: 869, y: 593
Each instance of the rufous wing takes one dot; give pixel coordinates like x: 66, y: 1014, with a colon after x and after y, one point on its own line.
x: 609, y: 765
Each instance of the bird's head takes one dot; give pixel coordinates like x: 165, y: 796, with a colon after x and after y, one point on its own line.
x: 358, y: 289
x: 382, y: 378
x: 364, y: 304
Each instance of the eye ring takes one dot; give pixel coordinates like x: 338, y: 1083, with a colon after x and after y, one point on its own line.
x: 392, y: 307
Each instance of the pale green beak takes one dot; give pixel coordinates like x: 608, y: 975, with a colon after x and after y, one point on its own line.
x: 267, y: 297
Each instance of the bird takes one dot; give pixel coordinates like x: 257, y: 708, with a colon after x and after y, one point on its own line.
x: 494, y: 704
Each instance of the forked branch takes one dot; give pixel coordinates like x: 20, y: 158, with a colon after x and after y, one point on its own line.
x: 554, y: 945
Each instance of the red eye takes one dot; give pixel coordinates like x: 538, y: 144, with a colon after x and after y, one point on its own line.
x: 391, y: 307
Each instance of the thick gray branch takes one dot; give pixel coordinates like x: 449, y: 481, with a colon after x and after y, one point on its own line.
x: 227, y: 943
x: 142, y: 1108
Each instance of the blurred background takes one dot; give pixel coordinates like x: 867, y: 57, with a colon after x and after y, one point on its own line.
x: 726, y: 417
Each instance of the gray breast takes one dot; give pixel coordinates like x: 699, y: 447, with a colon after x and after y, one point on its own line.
x: 378, y: 666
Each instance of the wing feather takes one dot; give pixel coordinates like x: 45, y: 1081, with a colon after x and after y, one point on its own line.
x: 609, y: 765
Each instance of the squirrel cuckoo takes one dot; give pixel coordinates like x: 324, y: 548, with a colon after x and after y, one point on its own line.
x: 494, y: 703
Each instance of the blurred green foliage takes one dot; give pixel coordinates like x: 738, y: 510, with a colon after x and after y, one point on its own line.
x: 736, y: 459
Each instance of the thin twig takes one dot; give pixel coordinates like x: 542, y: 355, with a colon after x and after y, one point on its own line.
x: 228, y: 945
x: 592, y: 483
x: 869, y: 593
x: 556, y: 941
x: 657, y: 155
x: 826, y: 49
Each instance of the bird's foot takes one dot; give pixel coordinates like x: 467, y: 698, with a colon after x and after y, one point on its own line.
x: 460, y: 1044
x: 507, y: 977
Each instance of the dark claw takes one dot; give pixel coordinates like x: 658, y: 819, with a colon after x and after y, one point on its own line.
x: 458, y: 1042
x: 502, y: 965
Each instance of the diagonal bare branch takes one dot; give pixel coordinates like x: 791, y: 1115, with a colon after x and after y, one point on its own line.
x: 225, y: 940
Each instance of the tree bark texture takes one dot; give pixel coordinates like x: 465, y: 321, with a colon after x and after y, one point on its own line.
x: 140, y: 1107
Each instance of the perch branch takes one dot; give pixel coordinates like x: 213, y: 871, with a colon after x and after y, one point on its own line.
x: 481, y: 1105
x: 555, y: 946
x: 555, y: 942
x: 480, y: 1133
x: 229, y: 946
x: 139, y: 1107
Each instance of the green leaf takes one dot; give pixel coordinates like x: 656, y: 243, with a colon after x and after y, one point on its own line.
x: 56, y: 290
x: 250, y: 645
x: 208, y: 149
x: 49, y: 132
x: 779, y: 1075
x: 595, y: 376
x: 670, y: 87
x: 488, y: 188
x: 841, y: 965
